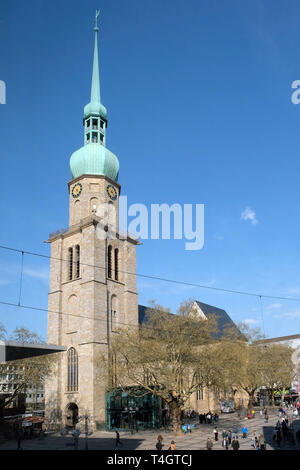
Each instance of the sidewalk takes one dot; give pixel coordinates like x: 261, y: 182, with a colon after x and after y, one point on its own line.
x: 146, y: 440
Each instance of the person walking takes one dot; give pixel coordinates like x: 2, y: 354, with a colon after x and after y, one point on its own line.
x: 216, y: 433
x: 172, y: 446
x: 262, y: 442
x: 278, y: 437
x: 159, y: 444
x: 225, y: 442
x: 209, y: 444
x: 235, y: 444
x: 254, y: 437
x: 261, y: 414
x: 235, y: 433
x: 19, y: 438
x: 244, y: 431
x: 229, y: 436
x: 118, y: 440
x: 256, y: 444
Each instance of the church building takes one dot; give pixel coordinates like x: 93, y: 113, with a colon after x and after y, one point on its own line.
x: 93, y: 286
x: 91, y: 292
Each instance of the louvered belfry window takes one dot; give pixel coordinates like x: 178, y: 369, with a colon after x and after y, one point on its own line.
x: 109, y: 261
x: 116, y: 264
x: 70, y: 274
x: 77, y: 248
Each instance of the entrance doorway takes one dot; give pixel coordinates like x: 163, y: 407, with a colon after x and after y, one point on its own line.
x: 71, y: 415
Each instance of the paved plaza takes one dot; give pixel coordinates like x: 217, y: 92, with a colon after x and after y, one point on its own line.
x: 146, y: 440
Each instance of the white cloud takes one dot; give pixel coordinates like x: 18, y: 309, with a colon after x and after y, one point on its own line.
x: 273, y: 306
x: 251, y: 321
x: 293, y: 314
x: 249, y: 214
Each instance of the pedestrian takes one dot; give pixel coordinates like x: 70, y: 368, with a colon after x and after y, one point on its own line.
x: 118, y: 440
x: 225, y: 442
x: 235, y: 433
x: 278, y: 437
x: 216, y: 417
x: 224, y: 434
x: 256, y: 444
x: 159, y: 444
x: 261, y: 414
x: 209, y: 444
x: 244, y: 431
x: 19, y: 438
x: 229, y: 436
x: 235, y: 444
x: 266, y: 417
x: 216, y: 433
x: 262, y: 442
x: 172, y: 446
x: 254, y: 436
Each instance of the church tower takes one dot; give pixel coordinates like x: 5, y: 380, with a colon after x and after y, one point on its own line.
x: 92, y: 274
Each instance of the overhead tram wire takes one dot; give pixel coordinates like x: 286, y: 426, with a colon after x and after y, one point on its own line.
x: 156, y: 278
x: 41, y: 309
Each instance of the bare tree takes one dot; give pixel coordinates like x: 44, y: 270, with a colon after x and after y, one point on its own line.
x: 170, y: 356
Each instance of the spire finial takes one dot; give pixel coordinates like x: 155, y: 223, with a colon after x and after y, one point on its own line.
x: 96, y: 20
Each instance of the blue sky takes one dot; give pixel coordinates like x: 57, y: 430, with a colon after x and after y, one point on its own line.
x: 199, y: 101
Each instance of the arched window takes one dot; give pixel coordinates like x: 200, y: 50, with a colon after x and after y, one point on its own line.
x: 72, y: 380
x: 93, y: 205
x: 109, y: 261
x: 77, y: 249
x: 116, y: 264
x: 70, y: 274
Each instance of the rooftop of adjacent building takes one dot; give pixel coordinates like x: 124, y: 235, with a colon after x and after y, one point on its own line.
x: 224, y: 322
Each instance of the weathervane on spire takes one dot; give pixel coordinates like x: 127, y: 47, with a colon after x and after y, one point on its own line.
x: 96, y: 18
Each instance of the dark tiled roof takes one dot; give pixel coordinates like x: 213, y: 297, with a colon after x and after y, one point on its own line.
x: 223, y: 319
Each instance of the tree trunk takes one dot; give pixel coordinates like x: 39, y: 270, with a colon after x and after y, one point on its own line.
x: 251, y: 398
x: 175, y: 413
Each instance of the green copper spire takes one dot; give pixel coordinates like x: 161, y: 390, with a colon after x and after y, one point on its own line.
x: 95, y: 91
x: 94, y: 158
x: 95, y: 107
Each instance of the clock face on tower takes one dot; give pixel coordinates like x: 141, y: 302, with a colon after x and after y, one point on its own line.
x: 76, y: 190
x: 112, y: 192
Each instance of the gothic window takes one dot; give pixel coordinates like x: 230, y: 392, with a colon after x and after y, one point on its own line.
x: 200, y: 394
x: 109, y: 262
x: 70, y: 274
x: 95, y: 137
x: 95, y: 123
x: 77, y: 248
x: 116, y: 264
x: 72, y: 379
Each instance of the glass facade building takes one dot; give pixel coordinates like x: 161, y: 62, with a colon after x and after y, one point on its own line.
x: 133, y: 409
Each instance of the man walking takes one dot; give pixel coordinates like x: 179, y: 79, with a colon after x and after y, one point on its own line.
x: 235, y: 444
